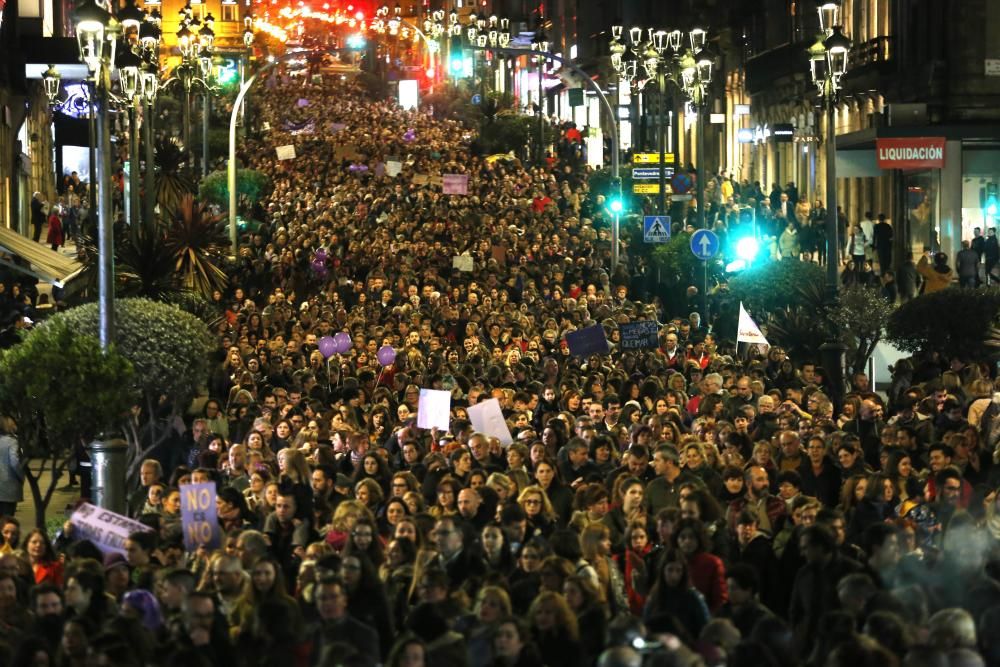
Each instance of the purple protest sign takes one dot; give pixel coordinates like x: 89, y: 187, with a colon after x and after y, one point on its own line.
x: 455, y: 184
x: 198, y: 516
x: 303, y: 102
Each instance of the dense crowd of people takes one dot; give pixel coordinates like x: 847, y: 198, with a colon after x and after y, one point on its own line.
x: 684, y: 504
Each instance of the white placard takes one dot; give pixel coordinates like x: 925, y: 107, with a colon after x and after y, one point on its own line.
x: 286, y: 152
x: 107, y: 530
x: 434, y: 409
x: 487, y: 418
x: 392, y: 168
x: 462, y: 263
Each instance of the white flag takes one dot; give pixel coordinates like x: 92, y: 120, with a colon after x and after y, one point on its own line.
x: 748, y: 331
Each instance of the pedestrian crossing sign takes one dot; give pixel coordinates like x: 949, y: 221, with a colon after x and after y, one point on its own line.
x: 656, y: 228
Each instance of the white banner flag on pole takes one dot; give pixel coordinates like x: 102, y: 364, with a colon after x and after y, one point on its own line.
x: 748, y: 331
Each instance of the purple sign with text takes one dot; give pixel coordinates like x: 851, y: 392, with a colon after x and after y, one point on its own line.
x: 198, y: 516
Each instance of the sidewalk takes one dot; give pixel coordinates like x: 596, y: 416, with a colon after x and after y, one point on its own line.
x: 57, y: 506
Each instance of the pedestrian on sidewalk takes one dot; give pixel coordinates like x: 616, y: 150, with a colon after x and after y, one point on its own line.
x: 55, y: 236
x: 11, y: 475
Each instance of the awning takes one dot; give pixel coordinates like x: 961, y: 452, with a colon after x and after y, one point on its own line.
x: 45, y: 264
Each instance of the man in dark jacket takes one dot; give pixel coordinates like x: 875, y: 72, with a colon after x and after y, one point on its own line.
x: 815, y: 590
x: 37, y: 216
x: 337, y: 632
x: 882, y: 240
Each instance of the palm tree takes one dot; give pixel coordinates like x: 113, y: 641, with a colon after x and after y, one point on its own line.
x: 172, y: 181
x: 197, y: 242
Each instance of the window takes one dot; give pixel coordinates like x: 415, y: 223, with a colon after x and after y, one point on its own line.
x: 230, y: 12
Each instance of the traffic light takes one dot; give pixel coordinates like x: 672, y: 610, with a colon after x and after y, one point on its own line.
x: 456, y: 61
x: 992, y: 204
x: 616, y: 203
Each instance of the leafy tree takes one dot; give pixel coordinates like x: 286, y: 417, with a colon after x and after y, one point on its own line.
x: 169, y: 350
x: 62, y: 390
x: 860, y: 318
x: 954, y: 321
x: 251, y: 185
x: 771, y: 286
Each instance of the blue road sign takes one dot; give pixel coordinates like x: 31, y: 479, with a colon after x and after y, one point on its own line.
x: 656, y: 228
x: 704, y: 244
x: 477, y: 98
x: 650, y: 173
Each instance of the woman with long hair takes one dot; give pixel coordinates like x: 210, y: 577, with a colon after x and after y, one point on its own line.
x: 591, y: 614
x: 45, y: 563
x: 365, y: 540
x: 267, y: 585
x: 369, y: 492
x: 447, y: 498
x: 626, y: 506
x: 373, y: 466
x: 705, y: 569
x: 632, y: 561
x: 877, y: 506
x: 538, y: 510
x: 296, y: 476
x: 548, y: 478
x: 555, y: 629
x: 899, y: 469
x: 673, y: 597
x: 595, y: 543
x: 496, y: 549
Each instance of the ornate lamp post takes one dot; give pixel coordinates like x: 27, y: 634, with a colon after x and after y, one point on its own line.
x: 828, y: 60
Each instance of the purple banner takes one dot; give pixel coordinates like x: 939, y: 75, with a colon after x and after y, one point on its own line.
x: 199, y: 519
x: 454, y: 184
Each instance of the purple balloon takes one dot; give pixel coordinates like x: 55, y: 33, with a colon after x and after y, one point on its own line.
x: 321, y: 254
x: 386, y: 355
x: 343, y: 342
x: 327, y: 346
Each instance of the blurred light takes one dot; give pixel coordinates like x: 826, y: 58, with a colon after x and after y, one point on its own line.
x: 356, y: 42
x: 747, y: 248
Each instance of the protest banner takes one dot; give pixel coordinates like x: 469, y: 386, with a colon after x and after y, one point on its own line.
x: 462, y: 263
x: 588, y: 341
x: 434, y: 409
x: 487, y: 418
x: 420, y: 179
x: 639, y: 335
x: 286, y: 152
x: 455, y: 184
x: 393, y: 167
x: 747, y: 330
x: 199, y: 520
x: 107, y: 530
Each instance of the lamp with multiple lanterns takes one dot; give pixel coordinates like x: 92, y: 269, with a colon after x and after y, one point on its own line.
x: 665, y: 58
x: 195, y: 42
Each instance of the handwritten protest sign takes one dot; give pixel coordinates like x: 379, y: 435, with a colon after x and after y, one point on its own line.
x: 587, y: 341
x: 286, y: 152
x: 639, y: 335
x: 434, y: 409
x: 107, y: 530
x: 455, y: 184
x: 420, y: 179
x: 487, y: 418
x: 393, y: 167
x: 198, y: 516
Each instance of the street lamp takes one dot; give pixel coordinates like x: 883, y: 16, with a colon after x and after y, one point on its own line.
x: 130, y: 80
x: 51, y: 80
x: 96, y: 34
x: 828, y: 62
x: 664, y: 59
x: 540, y: 43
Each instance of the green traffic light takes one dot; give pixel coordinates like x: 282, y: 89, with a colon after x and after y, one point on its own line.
x: 616, y: 205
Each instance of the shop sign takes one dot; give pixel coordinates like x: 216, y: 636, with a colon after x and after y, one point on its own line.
x: 783, y: 133
x: 652, y: 158
x: 910, y: 153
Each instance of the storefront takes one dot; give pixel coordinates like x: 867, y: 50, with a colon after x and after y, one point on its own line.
x: 941, y: 179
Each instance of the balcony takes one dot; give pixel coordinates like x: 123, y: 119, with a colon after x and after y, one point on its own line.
x: 872, y: 52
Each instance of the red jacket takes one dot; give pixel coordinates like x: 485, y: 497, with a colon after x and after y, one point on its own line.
x: 708, y: 575
x: 55, y: 235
